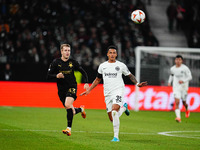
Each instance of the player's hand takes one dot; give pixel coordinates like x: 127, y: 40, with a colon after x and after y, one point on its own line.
x: 59, y: 75
x: 85, y: 93
x: 180, y: 81
x: 86, y: 86
x: 169, y: 84
x: 142, y: 84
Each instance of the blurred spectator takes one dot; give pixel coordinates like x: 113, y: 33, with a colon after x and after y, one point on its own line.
x: 179, y: 17
x: 4, y: 27
x: 131, y: 60
x: 196, y: 39
x: 56, y: 54
x: 87, y: 60
x: 191, y: 23
x: 171, y: 14
x: 33, y: 56
x: 123, y: 58
x: 150, y: 40
x: 7, y: 73
x: 97, y: 48
x: 77, y: 55
x: 129, y: 49
x: 86, y: 54
x: 45, y: 58
x: 3, y: 35
x: 98, y: 59
x: 52, y: 48
x: 149, y: 2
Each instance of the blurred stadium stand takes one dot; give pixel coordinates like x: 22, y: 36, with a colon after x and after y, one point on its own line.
x: 176, y: 23
x: 32, y: 31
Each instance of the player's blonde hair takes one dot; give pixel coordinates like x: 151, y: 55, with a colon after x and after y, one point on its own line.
x: 63, y: 45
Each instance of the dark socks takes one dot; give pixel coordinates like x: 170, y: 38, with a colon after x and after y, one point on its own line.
x: 69, y: 117
x: 77, y: 110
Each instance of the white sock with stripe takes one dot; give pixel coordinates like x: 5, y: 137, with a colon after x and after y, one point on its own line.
x: 121, y: 110
x: 115, y: 123
x: 178, y: 113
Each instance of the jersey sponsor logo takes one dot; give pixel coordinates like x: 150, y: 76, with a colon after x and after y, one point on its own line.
x: 104, y: 68
x: 117, y: 68
x: 70, y: 64
x: 111, y: 75
x: 59, y: 65
x: 66, y: 72
x: 179, y: 75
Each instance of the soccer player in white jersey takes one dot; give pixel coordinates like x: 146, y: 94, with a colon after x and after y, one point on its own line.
x: 111, y: 71
x: 180, y: 75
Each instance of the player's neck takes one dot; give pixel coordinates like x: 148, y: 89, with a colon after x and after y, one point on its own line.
x: 112, y: 61
x: 178, y: 65
x: 64, y: 59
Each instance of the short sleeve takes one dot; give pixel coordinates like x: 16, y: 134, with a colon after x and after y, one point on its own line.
x: 100, y: 69
x: 171, y: 71
x: 125, y: 70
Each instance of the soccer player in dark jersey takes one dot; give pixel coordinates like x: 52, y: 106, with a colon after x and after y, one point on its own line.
x: 63, y: 70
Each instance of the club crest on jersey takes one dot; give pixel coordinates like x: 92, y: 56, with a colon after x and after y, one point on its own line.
x: 70, y: 64
x: 117, y: 68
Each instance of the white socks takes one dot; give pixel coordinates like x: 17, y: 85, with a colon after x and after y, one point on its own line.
x: 121, y: 110
x: 116, y: 123
x: 178, y: 113
x: 69, y: 128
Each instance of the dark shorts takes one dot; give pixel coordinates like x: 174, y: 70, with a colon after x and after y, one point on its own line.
x: 70, y: 92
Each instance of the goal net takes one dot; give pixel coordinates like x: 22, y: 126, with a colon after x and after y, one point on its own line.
x: 153, y: 65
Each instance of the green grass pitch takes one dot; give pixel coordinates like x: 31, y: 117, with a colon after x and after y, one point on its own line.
x: 23, y: 128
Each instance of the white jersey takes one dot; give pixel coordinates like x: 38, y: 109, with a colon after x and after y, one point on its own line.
x: 112, y: 76
x: 180, y: 73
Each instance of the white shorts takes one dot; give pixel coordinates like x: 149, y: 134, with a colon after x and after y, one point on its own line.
x: 180, y: 94
x: 114, y: 98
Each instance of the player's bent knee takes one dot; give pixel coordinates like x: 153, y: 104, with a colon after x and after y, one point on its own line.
x: 115, y: 108
x: 184, y: 103
x: 177, y: 103
x: 114, y: 112
x: 111, y: 119
x: 68, y: 106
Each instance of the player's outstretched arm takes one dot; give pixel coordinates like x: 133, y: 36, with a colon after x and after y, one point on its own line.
x: 170, y: 79
x: 60, y: 75
x: 94, y: 84
x: 86, y: 86
x: 133, y: 79
x: 142, y: 84
x: 52, y: 74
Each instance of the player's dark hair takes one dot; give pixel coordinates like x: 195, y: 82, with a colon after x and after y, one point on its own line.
x: 179, y: 56
x: 111, y: 47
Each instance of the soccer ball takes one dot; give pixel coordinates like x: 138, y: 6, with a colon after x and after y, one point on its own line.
x: 138, y: 16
